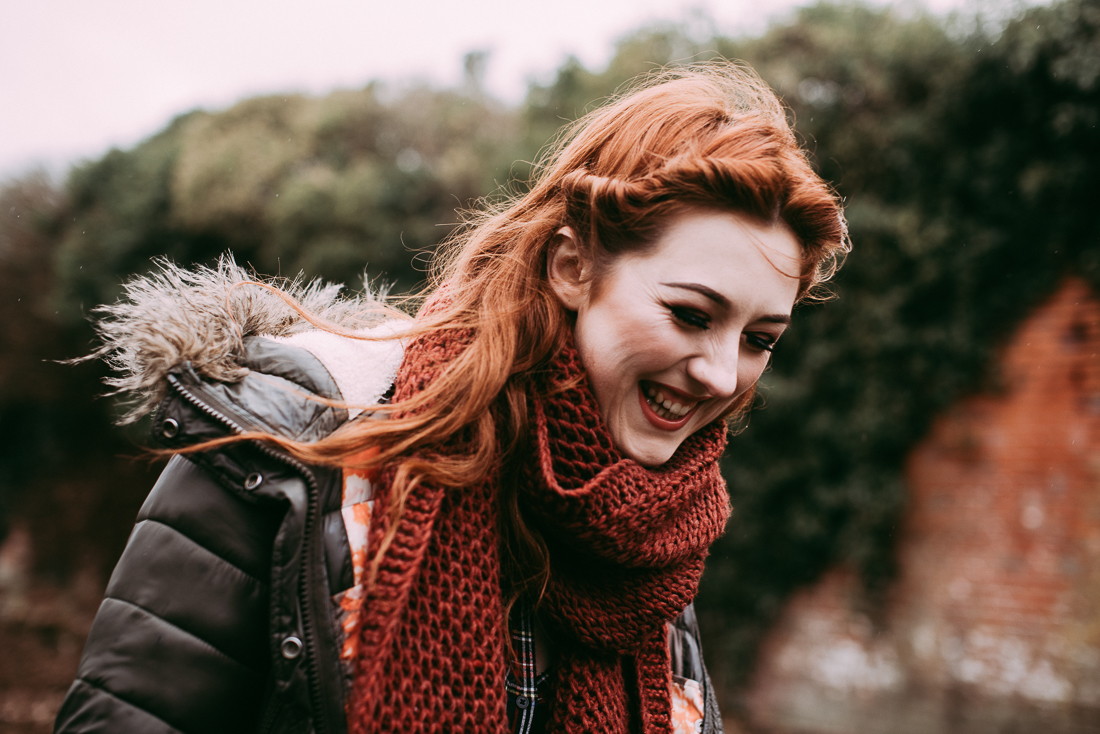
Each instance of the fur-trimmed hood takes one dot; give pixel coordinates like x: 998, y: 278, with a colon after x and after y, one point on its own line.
x: 203, y: 315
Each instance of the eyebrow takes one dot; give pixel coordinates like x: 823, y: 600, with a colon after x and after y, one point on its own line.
x: 723, y: 301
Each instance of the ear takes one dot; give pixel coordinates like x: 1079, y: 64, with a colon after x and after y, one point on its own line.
x: 567, y: 269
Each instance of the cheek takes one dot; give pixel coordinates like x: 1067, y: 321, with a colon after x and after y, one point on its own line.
x: 749, y: 371
x: 615, y: 339
x: 600, y: 347
x: 617, y: 348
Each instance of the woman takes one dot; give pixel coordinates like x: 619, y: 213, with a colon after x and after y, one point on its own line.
x: 510, y: 536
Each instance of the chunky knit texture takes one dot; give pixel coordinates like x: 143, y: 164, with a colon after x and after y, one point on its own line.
x: 626, y: 544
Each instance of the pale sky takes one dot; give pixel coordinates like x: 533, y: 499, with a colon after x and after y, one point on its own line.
x: 80, y: 76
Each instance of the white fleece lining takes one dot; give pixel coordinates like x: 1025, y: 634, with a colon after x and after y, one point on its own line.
x: 363, y: 369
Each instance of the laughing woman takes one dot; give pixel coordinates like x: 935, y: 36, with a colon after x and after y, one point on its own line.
x: 491, y: 517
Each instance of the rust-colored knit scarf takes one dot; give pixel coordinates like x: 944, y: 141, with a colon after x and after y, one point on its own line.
x: 627, y: 546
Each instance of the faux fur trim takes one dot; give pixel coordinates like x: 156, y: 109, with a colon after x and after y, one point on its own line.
x: 202, y: 316
x: 364, y: 369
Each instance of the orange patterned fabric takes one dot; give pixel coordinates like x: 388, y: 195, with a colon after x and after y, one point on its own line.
x: 356, y: 509
x: 687, y: 706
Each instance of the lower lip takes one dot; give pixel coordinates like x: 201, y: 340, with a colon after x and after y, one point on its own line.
x: 658, y: 421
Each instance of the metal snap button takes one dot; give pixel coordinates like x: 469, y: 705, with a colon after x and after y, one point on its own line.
x: 170, y: 428
x: 292, y: 647
x: 522, y: 701
x: 253, y: 480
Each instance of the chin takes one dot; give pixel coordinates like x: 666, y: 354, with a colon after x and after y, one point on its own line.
x: 649, y: 455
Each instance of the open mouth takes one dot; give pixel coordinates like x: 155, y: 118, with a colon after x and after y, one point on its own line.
x: 670, y: 411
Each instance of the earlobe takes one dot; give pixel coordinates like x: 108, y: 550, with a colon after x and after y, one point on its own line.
x: 567, y: 269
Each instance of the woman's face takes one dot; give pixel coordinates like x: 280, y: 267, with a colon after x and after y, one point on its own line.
x: 672, y: 336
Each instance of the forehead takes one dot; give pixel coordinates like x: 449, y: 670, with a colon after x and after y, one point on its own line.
x: 728, y: 253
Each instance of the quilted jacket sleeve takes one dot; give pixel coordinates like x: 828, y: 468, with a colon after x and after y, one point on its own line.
x: 180, y: 641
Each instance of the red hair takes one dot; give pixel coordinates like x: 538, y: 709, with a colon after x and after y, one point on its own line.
x: 712, y: 136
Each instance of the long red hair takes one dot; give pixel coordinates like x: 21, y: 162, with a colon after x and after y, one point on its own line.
x: 712, y: 136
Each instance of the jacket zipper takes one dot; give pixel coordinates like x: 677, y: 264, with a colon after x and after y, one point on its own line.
x: 306, y: 606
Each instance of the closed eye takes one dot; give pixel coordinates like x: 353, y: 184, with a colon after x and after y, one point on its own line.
x: 690, y: 317
x: 765, y: 342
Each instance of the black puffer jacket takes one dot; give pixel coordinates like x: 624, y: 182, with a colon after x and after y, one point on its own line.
x: 219, y: 616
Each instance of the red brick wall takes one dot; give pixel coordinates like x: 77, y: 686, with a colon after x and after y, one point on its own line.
x: 997, y: 607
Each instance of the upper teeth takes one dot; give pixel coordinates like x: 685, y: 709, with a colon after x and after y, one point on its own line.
x: 658, y: 397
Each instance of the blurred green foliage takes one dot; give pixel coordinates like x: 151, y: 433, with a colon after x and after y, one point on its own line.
x: 327, y: 186
x: 966, y: 153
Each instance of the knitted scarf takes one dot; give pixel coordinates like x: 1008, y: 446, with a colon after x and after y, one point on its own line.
x: 626, y: 545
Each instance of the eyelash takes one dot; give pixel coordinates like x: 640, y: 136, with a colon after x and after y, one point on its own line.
x: 761, y: 342
x: 689, y: 317
x: 698, y: 321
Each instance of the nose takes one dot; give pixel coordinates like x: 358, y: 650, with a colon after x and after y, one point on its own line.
x: 716, y: 372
